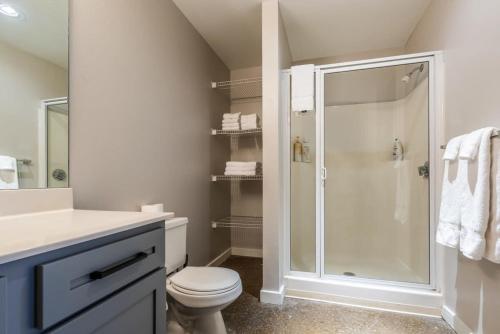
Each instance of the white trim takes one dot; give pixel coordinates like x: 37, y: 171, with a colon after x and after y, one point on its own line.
x: 272, y: 296
x: 219, y: 259
x: 286, y: 156
x: 380, y: 60
x: 249, y: 252
x: 364, y: 294
x: 454, y: 321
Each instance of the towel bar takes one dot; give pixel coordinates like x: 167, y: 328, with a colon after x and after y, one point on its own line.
x: 495, y: 134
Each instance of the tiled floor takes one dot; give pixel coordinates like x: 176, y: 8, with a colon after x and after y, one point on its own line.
x: 247, y: 315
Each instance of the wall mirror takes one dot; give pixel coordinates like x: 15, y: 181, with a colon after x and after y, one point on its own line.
x: 33, y: 94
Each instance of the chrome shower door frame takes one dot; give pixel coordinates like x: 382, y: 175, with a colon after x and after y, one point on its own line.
x: 318, y: 283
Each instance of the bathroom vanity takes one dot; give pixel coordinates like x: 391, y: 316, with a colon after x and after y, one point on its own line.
x: 78, y: 271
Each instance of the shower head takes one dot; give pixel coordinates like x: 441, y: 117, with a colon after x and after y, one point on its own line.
x: 408, y: 76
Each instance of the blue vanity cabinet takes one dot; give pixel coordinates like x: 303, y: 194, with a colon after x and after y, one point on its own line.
x: 3, y: 305
x: 113, y: 284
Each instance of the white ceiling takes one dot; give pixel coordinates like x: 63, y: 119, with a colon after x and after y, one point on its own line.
x: 231, y: 27
x: 315, y: 28
x: 42, y: 30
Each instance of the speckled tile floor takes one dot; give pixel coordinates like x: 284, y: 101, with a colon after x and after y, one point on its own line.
x: 247, y: 315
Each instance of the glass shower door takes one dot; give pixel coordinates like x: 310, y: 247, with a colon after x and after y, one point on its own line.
x: 376, y: 193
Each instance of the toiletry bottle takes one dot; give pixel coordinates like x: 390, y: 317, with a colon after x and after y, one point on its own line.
x: 397, y: 150
x: 297, y: 150
x: 306, y: 151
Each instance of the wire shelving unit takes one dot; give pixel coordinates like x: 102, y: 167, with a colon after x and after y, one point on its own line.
x: 244, y: 222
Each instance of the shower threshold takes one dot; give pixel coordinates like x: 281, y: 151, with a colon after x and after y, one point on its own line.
x: 366, y: 293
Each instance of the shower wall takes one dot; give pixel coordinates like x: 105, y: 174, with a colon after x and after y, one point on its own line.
x: 379, y: 207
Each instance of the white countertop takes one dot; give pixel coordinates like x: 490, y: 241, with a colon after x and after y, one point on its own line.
x: 26, y: 235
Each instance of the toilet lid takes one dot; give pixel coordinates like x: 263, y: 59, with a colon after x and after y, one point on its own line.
x: 205, y: 279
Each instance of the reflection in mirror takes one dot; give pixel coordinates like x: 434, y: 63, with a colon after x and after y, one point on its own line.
x: 33, y: 94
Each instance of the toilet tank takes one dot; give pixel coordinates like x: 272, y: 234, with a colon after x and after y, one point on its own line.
x: 175, y: 243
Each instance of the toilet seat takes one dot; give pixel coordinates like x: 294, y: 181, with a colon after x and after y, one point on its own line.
x: 199, y: 287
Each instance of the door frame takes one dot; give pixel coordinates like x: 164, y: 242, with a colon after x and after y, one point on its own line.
x: 436, y: 136
x: 42, y: 139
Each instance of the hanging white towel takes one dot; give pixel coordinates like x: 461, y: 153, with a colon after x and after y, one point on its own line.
x: 303, y: 87
x: 448, y: 229
x: 475, y: 215
x: 492, y: 251
x: 8, y: 173
x: 402, y: 205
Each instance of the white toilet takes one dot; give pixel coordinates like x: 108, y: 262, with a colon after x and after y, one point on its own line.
x: 195, y: 295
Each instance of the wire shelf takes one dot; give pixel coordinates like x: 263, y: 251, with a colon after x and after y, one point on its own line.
x: 238, y: 222
x: 240, y: 89
x: 236, y: 132
x: 216, y: 178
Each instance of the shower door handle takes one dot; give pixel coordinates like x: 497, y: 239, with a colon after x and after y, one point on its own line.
x: 324, y: 174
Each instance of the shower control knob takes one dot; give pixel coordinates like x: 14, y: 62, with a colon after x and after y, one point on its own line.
x: 59, y: 174
x: 424, y: 169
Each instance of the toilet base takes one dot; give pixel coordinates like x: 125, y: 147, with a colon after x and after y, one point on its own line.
x: 207, y: 324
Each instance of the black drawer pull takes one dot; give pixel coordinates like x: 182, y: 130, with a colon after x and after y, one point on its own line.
x: 99, y: 274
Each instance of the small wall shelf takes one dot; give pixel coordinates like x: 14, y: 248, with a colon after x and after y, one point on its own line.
x: 238, y: 222
x: 215, y: 132
x: 216, y: 178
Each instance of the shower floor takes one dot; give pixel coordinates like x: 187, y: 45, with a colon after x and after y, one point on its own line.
x: 380, y: 269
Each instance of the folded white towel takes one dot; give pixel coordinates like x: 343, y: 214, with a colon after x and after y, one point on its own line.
x: 249, y: 117
x: 475, y: 214
x: 241, y: 173
x: 8, y: 173
x: 249, y: 127
x: 230, y: 121
x: 7, y: 163
x: 243, y: 163
x: 230, y: 127
x: 231, y: 116
x: 303, y: 87
x: 242, y: 169
x: 452, y: 197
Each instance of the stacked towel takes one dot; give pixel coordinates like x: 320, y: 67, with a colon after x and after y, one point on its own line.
x: 249, y: 122
x: 231, y: 121
x: 241, y: 168
x: 8, y: 173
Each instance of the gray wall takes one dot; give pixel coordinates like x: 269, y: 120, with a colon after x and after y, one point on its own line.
x: 469, y: 33
x: 141, y: 110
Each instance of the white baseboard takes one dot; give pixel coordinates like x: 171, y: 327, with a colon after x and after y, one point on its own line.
x: 220, y: 258
x: 273, y: 296
x: 250, y: 252
x: 454, y: 321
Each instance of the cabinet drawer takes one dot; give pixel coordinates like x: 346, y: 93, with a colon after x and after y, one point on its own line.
x: 67, y: 286
x: 138, y: 309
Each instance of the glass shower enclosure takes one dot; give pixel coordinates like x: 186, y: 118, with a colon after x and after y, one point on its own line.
x: 360, y: 175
